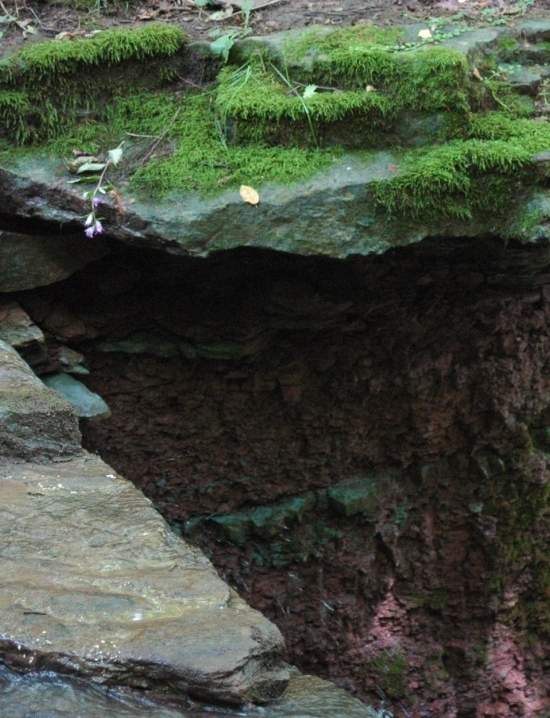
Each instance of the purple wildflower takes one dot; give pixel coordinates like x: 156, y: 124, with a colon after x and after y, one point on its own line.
x: 93, y: 229
x: 96, y: 202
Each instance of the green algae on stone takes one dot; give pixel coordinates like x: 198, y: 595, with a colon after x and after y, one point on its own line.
x: 355, y: 496
x: 389, y: 667
x: 264, y: 521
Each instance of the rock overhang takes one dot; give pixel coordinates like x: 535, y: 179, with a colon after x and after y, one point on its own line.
x: 451, y: 149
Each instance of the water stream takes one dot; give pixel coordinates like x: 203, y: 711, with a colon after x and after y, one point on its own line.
x: 47, y: 695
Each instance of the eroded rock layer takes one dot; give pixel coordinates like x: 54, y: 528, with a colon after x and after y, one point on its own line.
x: 360, y: 447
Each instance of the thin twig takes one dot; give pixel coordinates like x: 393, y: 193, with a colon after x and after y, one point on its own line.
x: 6, y: 11
x: 188, y: 82
x: 160, y: 138
x: 320, y: 87
x: 149, y: 137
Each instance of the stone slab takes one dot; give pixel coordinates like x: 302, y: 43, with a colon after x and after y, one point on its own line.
x: 17, y: 328
x: 95, y: 583
x: 85, y: 403
x: 34, y: 421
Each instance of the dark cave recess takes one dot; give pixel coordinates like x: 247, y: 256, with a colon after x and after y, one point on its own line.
x: 359, y: 445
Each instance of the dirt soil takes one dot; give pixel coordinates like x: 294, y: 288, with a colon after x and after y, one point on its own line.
x: 429, y: 362
x: 25, y: 20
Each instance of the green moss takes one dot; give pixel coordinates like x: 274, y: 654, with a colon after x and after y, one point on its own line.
x: 427, y: 78
x: 389, y: 670
x: 460, y: 178
x: 15, y: 107
x: 507, y: 43
x: 202, y: 162
x: 262, y: 100
x: 257, y: 94
x: 48, y: 61
x: 297, y: 49
x: 64, y: 78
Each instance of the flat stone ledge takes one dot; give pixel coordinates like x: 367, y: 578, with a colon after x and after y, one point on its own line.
x: 96, y: 584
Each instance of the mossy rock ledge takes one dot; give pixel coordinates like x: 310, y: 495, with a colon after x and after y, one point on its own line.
x: 357, y: 140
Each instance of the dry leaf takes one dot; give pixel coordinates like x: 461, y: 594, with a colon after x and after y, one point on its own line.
x: 249, y: 194
x: 118, y: 201
x: 477, y: 74
x: 425, y: 34
x: 370, y: 88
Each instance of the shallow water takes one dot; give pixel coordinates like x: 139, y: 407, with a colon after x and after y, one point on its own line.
x: 48, y: 695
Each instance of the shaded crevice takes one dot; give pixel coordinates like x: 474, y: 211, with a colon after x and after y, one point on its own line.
x: 359, y: 445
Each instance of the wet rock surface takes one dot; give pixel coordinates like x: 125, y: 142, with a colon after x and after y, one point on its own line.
x: 128, y: 603
x: 47, y: 695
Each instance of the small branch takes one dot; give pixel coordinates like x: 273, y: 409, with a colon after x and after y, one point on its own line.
x: 320, y: 87
x: 148, y: 137
x: 160, y: 138
x: 189, y: 82
x: 6, y: 11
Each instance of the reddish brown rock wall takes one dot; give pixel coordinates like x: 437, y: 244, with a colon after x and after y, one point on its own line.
x: 423, y: 371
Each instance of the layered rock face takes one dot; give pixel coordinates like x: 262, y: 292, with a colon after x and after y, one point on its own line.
x: 360, y: 448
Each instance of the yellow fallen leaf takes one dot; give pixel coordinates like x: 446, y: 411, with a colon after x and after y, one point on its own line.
x: 425, y: 34
x: 249, y: 194
x: 477, y: 74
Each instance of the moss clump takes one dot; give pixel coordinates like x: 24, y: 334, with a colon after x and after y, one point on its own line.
x: 204, y: 163
x: 253, y: 93
x: 426, y: 78
x: 389, y: 669
x: 319, y: 41
x: 484, y: 172
x: 196, y: 156
x: 49, y: 61
x: 369, y: 87
x: 15, y: 107
x: 47, y: 84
